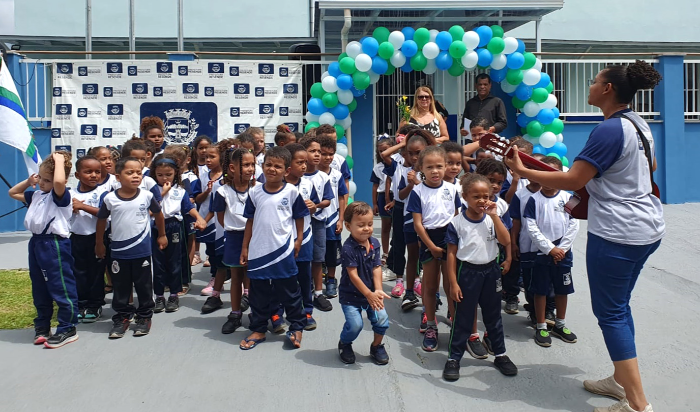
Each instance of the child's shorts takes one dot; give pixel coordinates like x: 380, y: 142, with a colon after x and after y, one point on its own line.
x: 437, y: 236
x: 381, y: 202
x: 215, y: 258
x: 189, y: 225
x: 333, y: 252
x: 410, y: 236
x: 318, y: 233
x: 558, y: 276
x: 232, y: 248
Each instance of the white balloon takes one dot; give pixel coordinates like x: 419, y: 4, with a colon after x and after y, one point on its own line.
x: 398, y: 59
x: 531, y: 109
x: 433, y: 35
x: 324, y: 75
x: 527, y: 137
x: 550, y: 103
x: 431, y: 50
x: 499, y: 61
x: 396, y: 38
x: 345, y: 96
x: 346, y: 123
x: 470, y: 60
x: 352, y: 189
x: 538, y: 65
x: 363, y: 62
x: 507, y: 87
x: 310, y: 117
x: 471, y: 40
x: 326, y: 118
x: 353, y: 49
x: 511, y: 45
x: 531, y: 77
x: 373, y: 77
x: 548, y: 139
x: 560, y: 138
x: 341, y: 149
x: 330, y: 84
x: 431, y: 67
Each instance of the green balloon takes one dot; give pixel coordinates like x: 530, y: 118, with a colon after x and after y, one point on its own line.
x: 496, y: 45
x: 517, y: 103
x: 554, y: 155
x: 514, y: 77
x: 523, y: 130
x: 311, y: 125
x: 347, y: 65
x: 539, y: 95
x: 458, y: 49
x: 386, y: 50
x: 342, y: 56
x: 381, y: 34
x: 350, y: 162
x: 330, y: 100
x: 556, y: 127
x: 497, y: 30
x: 457, y: 32
x: 418, y: 62
x: 530, y: 60
x: 421, y: 37
x: 353, y: 105
x: 549, y: 87
x: 317, y: 90
x: 565, y: 161
x: 389, y: 70
x: 535, y: 128
x: 339, y: 131
x: 457, y: 69
x: 350, y: 200
x: 360, y: 80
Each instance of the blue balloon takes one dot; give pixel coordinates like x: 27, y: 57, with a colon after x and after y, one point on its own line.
x: 443, y: 40
x: 523, y: 92
x: 558, y: 148
x: 485, y: 57
x: 443, y: 61
x: 498, y: 75
x: 544, y: 81
x: 522, y: 120
x: 406, y: 68
x: 340, y: 111
x: 409, y: 48
x: 370, y: 46
x: 315, y: 106
x: 379, y: 65
x: 408, y: 32
x: 334, y: 69
x: 515, y: 61
x: 343, y: 140
x: 521, y: 46
x: 545, y: 116
x: 344, y: 81
x: 485, y: 35
x: 539, y: 149
x: 355, y: 92
x: 556, y: 112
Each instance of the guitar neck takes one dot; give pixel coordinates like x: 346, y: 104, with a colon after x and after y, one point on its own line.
x: 530, y: 161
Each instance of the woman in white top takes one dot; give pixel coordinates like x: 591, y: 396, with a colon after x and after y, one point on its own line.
x: 625, y: 220
x: 425, y: 115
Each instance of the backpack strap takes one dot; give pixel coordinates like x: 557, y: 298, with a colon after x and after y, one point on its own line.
x: 645, y: 144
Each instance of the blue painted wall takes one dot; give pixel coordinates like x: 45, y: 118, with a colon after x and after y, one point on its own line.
x: 363, y: 145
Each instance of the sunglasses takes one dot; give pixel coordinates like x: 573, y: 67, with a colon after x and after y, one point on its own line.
x: 423, y: 97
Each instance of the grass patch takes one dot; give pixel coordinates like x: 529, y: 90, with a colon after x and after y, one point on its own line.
x: 16, y: 308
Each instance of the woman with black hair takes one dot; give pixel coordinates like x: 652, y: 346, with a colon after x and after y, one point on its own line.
x: 625, y: 220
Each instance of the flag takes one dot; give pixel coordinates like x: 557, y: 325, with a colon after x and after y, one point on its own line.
x: 14, y: 127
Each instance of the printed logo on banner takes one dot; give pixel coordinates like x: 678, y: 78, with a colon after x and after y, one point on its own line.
x: 180, y: 126
x: 266, y: 111
x: 88, y: 131
x: 208, y: 91
x: 182, y: 70
x: 139, y: 90
x: 215, y: 70
x: 184, y: 121
x: 157, y: 91
x: 55, y: 133
x: 57, y: 91
x: 65, y: 148
x: 82, y: 112
x: 241, y: 90
x: 79, y: 153
x: 64, y: 110
x: 284, y: 111
x: 107, y: 132
x: 132, y: 71
x: 284, y: 72
x: 239, y: 128
x: 115, y: 111
x: 164, y: 70
x: 190, y: 90
x: 259, y: 92
x: 235, y: 112
x: 293, y: 127
x: 108, y: 91
x: 64, y: 70
x: 114, y: 70
x: 290, y: 88
x: 82, y: 71
x: 233, y: 71
x: 90, y: 91
x: 266, y: 70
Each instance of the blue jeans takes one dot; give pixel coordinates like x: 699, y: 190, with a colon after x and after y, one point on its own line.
x: 353, y: 321
x: 613, y: 269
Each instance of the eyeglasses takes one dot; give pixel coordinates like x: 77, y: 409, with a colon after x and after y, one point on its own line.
x: 423, y: 97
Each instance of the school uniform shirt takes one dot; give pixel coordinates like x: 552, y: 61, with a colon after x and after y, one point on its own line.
x: 260, y: 158
x: 131, y: 229
x: 397, y: 171
x: 340, y: 164
x: 83, y: 223
x: 191, y: 183
x: 175, y: 203
x: 522, y: 182
x: 437, y: 205
x: 548, y: 224
x: 259, y: 176
x: 502, y: 207
x: 332, y: 212
x: 209, y: 234
x: 378, y: 177
x: 109, y: 182
x: 47, y: 214
x: 232, y: 202
x: 146, y: 171
x: 516, y: 210
x: 475, y: 239
x: 271, y: 248
x: 203, y: 172
x: 621, y: 208
x: 147, y: 184
x: 322, y: 184
x: 355, y: 255
x: 402, y: 183
x: 307, y: 191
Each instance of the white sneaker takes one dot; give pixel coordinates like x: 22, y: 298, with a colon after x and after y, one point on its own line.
x: 622, y: 406
x: 606, y: 387
x: 207, y: 291
x: 388, y: 274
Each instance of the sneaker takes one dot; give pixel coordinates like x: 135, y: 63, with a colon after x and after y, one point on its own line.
x: 207, y: 291
x: 542, y: 338
x: 41, y: 335
x: 451, y: 370
x: 423, y: 323
x: 92, y: 314
x: 321, y: 303
x: 476, y: 348
x: 347, y: 355
x: 418, y: 287
x: 622, y: 406
x: 212, y: 303
x: 160, y: 305
x: 532, y: 320
x: 564, y: 334
x: 549, y: 319
x: 60, y: 339
x: 119, y: 328
x: 388, y: 274
x: 505, y: 365
x: 196, y: 260
x: 511, y: 306
x: 438, y: 301
x: 378, y: 354
x: 277, y: 323
x: 410, y: 301
x: 81, y: 315
x: 173, y: 304
x: 606, y: 387
x: 331, y: 288
x: 232, y: 323
x: 448, y: 319
x: 185, y: 290
x: 310, y: 322
x: 487, y: 344
x: 430, y: 339
x: 398, y: 290
x: 206, y: 263
x: 142, y: 326
x: 245, y: 303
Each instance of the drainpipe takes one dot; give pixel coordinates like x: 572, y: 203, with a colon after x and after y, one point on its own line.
x: 344, y: 42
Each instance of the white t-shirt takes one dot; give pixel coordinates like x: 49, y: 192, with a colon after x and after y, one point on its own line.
x: 83, y: 223
x: 378, y: 177
x: 516, y: 211
x: 131, y: 229
x: 175, y: 203
x: 476, y: 240
x: 437, y: 205
x: 340, y: 164
x: 307, y: 191
x: 232, y: 202
x: 338, y: 187
x: 48, y: 215
x: 322, y: 184
x: 548, y: 224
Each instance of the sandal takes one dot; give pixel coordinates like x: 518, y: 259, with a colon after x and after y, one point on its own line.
x: 108, y: 288
x: 384, y: 257
x: 253, y: 340
x: 185, y: 290
x: 292, y: 338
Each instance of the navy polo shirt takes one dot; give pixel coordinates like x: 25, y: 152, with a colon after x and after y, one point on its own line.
x: 354, y: 255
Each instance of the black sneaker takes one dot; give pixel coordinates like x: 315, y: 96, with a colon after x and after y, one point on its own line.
x: 212, y: 304
x: 410, y: 301
x: 542, y: 338
x: 81, y: 315
x: 347, y: 355
x: 477, y: 349
x: 232, y: 323
x: 550, y: 319
x: 92, y: 315
x: 564, y: 334
x: 505, y: 365
x: 173, y: 304
x: 60, y: 339
x: 438, y: 301
x: 487, y: 344
x: 142, y: 327
x: 331, y: 288
x: 378, y: 354
x: 41, y: 335
x: 451, y: 370
x: 511, y: 306
x: 532, y: 320
x: 119, y: 328
x: 245, y: 303
x: 160, y: 305
x: 321, y: 303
